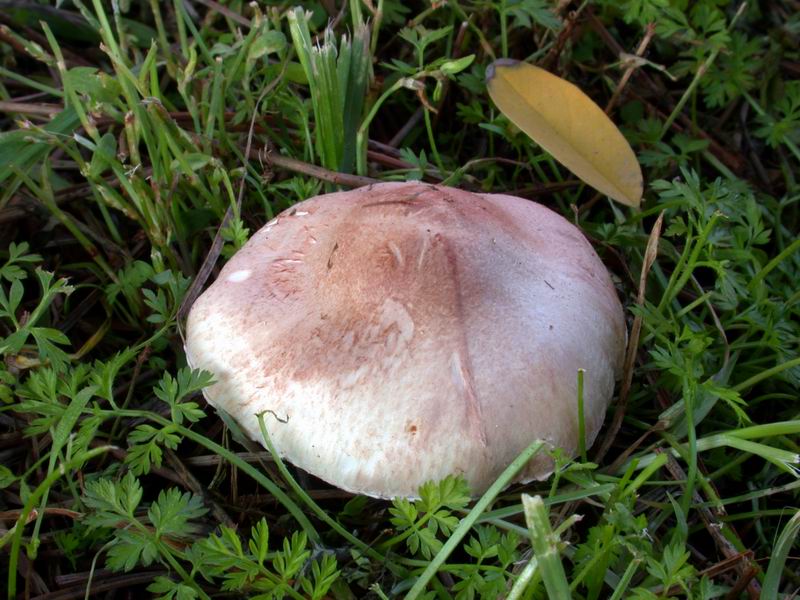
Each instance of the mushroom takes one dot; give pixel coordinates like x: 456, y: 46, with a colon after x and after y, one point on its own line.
x: 402, y: 332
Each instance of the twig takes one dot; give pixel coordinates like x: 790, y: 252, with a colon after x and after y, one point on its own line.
x: 118, y: 582
x: 609, y: 40
x: 623, y: 458
x: 387, y: 160
x: 650, y: 254
x: 566, y: 32
x: 60, y: 512
x: 714, y: 528
x: 298, y: 166
x: 25, y: 108
x: 649, y: 32
x: 726, y: 564
x: 212, y: 460
x: 744, y: 581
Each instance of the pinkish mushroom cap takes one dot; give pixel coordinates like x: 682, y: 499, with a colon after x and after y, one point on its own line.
x: 403, y: 332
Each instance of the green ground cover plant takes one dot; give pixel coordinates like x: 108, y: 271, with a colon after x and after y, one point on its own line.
x: 142, y: 143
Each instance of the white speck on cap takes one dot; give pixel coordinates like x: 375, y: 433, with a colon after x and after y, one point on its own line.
x: 241, y: 275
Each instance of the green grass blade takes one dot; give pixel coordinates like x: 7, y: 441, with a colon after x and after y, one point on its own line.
x: 308, y: 501
x: 33, y: 498
x: 772, y: 579
x: 467, y: 522
x: 545, y: 548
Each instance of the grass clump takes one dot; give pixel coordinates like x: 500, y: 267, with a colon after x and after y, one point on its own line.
x: 140, y: 138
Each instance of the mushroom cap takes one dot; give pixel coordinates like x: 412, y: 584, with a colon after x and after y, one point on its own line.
x: 402, y: 332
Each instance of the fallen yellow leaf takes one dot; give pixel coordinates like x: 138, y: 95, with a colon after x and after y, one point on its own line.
x: 569, y: 125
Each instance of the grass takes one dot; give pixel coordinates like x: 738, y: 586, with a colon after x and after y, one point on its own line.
x: 142, y: 141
